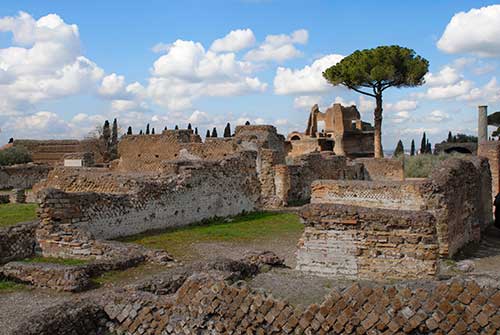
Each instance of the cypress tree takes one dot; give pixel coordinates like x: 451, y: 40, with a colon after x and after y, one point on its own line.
x: 11, y: 140
x: 412, y: 149
x: 450, y: 137
x: 165, y: 128
x: 399, y: 149
x: 247, y: 123
x: 227, y: 130
x: 106, y: 132
x: 423, y: 144
x: 189, y: 126
x: 152, y: 131
x: 140, y: 133
x: 208, y: 134
x: 429, y: 148
x: 129, y: 130
x: 176, y: 127
x: 114, y: 133
x: 214, y: 132
x: 147, y: 129
x: 196, y: 130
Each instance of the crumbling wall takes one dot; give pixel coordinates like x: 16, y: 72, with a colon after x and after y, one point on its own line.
x: 491, y: 151
x: 204, y: 305
x: 17, y: 242
x: 380, y: 169
x: 201, y: 190
x: 52, y: 151
x: 293, y: 181
x: 22, y: 176
x: 367, y: 243
x: 455, y: 194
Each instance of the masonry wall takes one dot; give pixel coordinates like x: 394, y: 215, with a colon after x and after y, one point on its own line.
x: 17, y: 242
x: 367, y: 243
x: 491, y: 151
x: 380, y: 169
x: 204, y: 305
x: 22, y: 176
x: 293, y: 181
x: 201, y: 190
x: 52, y: 151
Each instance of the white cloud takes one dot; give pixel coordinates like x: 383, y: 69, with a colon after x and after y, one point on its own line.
x: 160, y: 47
x: 489, y: 93
x: 402, y: 105
x: 437, y: 116
x: 446, y: 76
x: 279, y: 47
x: 461, y: 88
x: 187, y: 72
x: 307, y: 80
x: 366, y: 104
x: 112, y: 85
x: 475, y: 31
x: 400, y: 117
x: 306, y: 101
x: 236, y: 40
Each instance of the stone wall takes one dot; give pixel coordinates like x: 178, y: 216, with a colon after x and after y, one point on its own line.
x: 366, y: 243
x: 491, y: 151
x: 293, y: 181
x: 374, y: 229
x: 52, y: 151
x: 380, y: 169
x: 207, y: 305
x: 17, y: 242
x: 22, y: 175
x: 201, y: 190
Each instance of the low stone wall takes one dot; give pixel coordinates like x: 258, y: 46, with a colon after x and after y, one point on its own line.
x: 22, y: 176
x: 46, y: 275
x: 76, y: 318
x: 293, y: 181
x: 17, y: 242
x: 207, y: 305
x: 358, y: 242
x: 382, y: 169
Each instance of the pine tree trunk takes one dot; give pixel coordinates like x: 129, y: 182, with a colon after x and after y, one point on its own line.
x: 379, y: 153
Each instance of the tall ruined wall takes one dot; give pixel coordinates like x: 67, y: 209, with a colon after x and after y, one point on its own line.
x: 148, y: 153
x: 358, y: 144
x: 293, y: 181
x: 491, y: 151
x: 201, y: 190
x: 52, y: 151
x: 367, y: 243
x: 22, y: 176
x: 455, y: 193
x: 380, y: 169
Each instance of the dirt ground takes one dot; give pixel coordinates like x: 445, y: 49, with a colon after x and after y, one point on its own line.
x: 285, y: 283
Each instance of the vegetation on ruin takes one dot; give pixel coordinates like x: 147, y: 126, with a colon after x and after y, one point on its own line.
x: 372, y: 71
x: 421, y: 166
x: 243, y: 228
x: 55, y: 260
x: 11, y: 214
x: 7, y: 286
x: 14, y: 155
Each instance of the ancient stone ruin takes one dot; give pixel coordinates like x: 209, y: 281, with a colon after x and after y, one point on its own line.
x: 383, y: 240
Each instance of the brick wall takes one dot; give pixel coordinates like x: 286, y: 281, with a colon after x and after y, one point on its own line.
x: 491, y: 151
x: 17, y: 242
x: 201, y: 190
x: 380, y: 169
x: 22, y: 176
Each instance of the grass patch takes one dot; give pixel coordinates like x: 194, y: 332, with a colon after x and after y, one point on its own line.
x: 244, y: 228
x: 7, y: 286
x: 54, y: 260
x: 11, y: 214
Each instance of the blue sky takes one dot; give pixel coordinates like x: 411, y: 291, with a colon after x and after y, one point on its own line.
x: 65, y: 66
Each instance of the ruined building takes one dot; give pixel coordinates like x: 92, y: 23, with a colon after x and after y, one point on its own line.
x: 344, y: 133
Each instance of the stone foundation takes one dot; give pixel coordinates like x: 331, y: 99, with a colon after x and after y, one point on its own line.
x: 382, y: 169
x: 17, y: 242
x: 22, y: 176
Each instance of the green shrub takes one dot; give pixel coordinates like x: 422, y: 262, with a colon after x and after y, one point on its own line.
x: 14, y: 155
